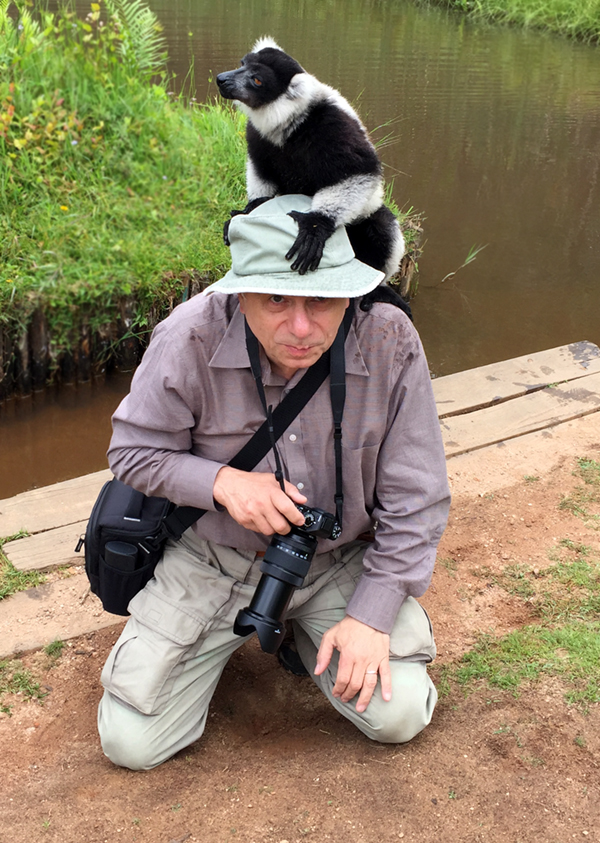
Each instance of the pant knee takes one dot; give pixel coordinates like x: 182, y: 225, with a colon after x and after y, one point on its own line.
x: 123, y: 744
x: 131, y: 739
x: 124, y: 752
x: 402, y: 718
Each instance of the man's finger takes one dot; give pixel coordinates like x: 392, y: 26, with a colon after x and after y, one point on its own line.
x: 324, y: 655
x: 347, y: 683
x: 385, y: 675
x: 368, y: 687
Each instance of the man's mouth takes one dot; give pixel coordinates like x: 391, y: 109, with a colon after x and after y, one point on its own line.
x: 298, y: 350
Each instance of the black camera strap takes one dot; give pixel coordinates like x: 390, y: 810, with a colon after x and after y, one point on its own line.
x: 331, y: 363
x: 182, y: 517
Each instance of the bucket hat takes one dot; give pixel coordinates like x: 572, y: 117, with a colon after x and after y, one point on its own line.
x: 260, y: 241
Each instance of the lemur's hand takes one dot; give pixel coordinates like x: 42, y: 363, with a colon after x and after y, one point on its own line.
x: 315, y: 229
x: 248, y: 209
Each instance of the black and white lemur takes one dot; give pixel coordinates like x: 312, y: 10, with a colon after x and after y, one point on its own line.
x: 304, y: 137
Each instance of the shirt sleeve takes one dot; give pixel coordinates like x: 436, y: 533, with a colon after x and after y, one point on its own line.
x: 151, y: 445
x: 412, y: 497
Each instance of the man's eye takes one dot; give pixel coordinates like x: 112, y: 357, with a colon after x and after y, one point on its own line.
x: 277, y: 299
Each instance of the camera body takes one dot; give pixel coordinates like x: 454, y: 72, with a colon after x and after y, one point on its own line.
x: 318, y: 523
x: 284, y: 567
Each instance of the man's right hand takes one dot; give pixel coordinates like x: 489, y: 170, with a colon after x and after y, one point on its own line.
x: 255, y: 500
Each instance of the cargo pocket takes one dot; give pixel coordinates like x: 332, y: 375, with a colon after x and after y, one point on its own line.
x: 148, y: 657
x: 411, y: 638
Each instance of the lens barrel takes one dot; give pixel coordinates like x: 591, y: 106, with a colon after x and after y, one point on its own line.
x: 285, y: 564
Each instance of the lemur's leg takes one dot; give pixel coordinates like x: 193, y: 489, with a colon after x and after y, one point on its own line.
x: 258, y: 191
x: 378, y: 241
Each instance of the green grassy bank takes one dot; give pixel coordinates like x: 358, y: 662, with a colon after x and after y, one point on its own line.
x: 578, y: 19
x: 111, y: 189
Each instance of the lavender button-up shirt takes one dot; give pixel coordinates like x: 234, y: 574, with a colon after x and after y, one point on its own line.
x: 193, y: 404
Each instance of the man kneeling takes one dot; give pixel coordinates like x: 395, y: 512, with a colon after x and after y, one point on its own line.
x: 194, y: 403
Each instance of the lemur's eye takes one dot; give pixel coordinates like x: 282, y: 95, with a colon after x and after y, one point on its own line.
x: 257, y: 81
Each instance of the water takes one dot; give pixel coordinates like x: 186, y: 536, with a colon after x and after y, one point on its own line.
x: 495, y: 137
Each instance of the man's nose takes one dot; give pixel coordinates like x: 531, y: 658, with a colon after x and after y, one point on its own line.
x: 300, y: 321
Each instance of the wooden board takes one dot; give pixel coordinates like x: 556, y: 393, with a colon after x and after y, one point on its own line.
x: 488, y: 385
x: 51, y: 506
x: 50, y: 549
x: 523, y: 415
x: 34, y: 618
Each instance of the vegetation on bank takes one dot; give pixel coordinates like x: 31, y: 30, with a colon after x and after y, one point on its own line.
x: 112, y: 188
x: 575, y: 18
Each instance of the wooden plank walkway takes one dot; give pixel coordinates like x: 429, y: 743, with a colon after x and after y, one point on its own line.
x: 477, y: 407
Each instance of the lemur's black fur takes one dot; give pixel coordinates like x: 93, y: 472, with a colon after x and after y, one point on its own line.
x: 304, y: 137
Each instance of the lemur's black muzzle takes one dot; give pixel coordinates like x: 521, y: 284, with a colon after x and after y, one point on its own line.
x: 227, y: 84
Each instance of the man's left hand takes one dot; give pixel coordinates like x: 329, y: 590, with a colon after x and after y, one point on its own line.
x: 364, y: 657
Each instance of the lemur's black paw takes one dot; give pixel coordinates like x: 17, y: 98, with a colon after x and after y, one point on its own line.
x: 247, y: 210
x: 314, y: 230
x: 387, y: 295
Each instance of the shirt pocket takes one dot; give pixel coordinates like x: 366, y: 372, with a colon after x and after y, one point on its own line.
x: 359, y: 466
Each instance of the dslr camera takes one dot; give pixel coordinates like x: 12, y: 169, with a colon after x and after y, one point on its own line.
x: 284, y: 566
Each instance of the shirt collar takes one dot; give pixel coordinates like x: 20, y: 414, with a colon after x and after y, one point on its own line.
x: 231, y: 352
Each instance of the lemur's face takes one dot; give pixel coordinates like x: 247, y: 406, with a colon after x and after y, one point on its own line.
x: 261, y: 78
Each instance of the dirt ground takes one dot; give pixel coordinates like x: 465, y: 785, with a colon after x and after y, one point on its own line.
x: 277, y: 764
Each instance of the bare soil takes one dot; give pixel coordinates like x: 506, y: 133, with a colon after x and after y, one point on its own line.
x: 277, y: 764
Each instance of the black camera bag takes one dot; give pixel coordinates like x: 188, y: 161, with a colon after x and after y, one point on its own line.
x: 136, y: 527
x: 127, y: 517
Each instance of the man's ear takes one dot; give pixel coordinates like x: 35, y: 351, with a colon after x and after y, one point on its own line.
x: 242, y: 302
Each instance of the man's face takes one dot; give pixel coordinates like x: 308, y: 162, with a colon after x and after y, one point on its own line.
x: 293, y: 330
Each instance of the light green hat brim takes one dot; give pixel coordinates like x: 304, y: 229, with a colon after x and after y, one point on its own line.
x: 260, y: 241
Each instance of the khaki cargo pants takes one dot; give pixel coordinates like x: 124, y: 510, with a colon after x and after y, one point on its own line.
x: 162, y: 672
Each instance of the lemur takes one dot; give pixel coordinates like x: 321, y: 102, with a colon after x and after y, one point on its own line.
x: 304, y: 137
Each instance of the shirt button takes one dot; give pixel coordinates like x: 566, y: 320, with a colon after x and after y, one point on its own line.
x: 300, y: 486
x: 293, y: 437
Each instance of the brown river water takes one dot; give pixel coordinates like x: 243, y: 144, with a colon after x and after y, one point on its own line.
x: 494, y: 135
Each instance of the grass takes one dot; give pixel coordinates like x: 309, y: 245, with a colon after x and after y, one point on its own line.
x: 585, y: 499
x: 578, y: 19
x: 571, y: 652
x: 12, y: 580
x: 54, y: 649
x: 16, y: 679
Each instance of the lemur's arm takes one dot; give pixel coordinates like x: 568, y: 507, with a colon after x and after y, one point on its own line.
x: 351, y: 199
x: 347, y: 201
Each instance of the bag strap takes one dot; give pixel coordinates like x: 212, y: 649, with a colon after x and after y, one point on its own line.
x: 182, y: 517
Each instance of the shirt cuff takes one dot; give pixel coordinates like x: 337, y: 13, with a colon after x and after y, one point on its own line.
x: 195, y: 482
x: 375, y: 606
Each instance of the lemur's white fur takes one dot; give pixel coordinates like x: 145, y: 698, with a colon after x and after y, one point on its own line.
x: 256, y: 187
x: 278, y: 119
x: 350, y: 200
x: 264, y: 42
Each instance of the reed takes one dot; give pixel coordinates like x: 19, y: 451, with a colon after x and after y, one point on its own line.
x: 579, y: 19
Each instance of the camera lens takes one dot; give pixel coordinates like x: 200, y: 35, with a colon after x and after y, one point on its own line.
x: 285, y: 564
